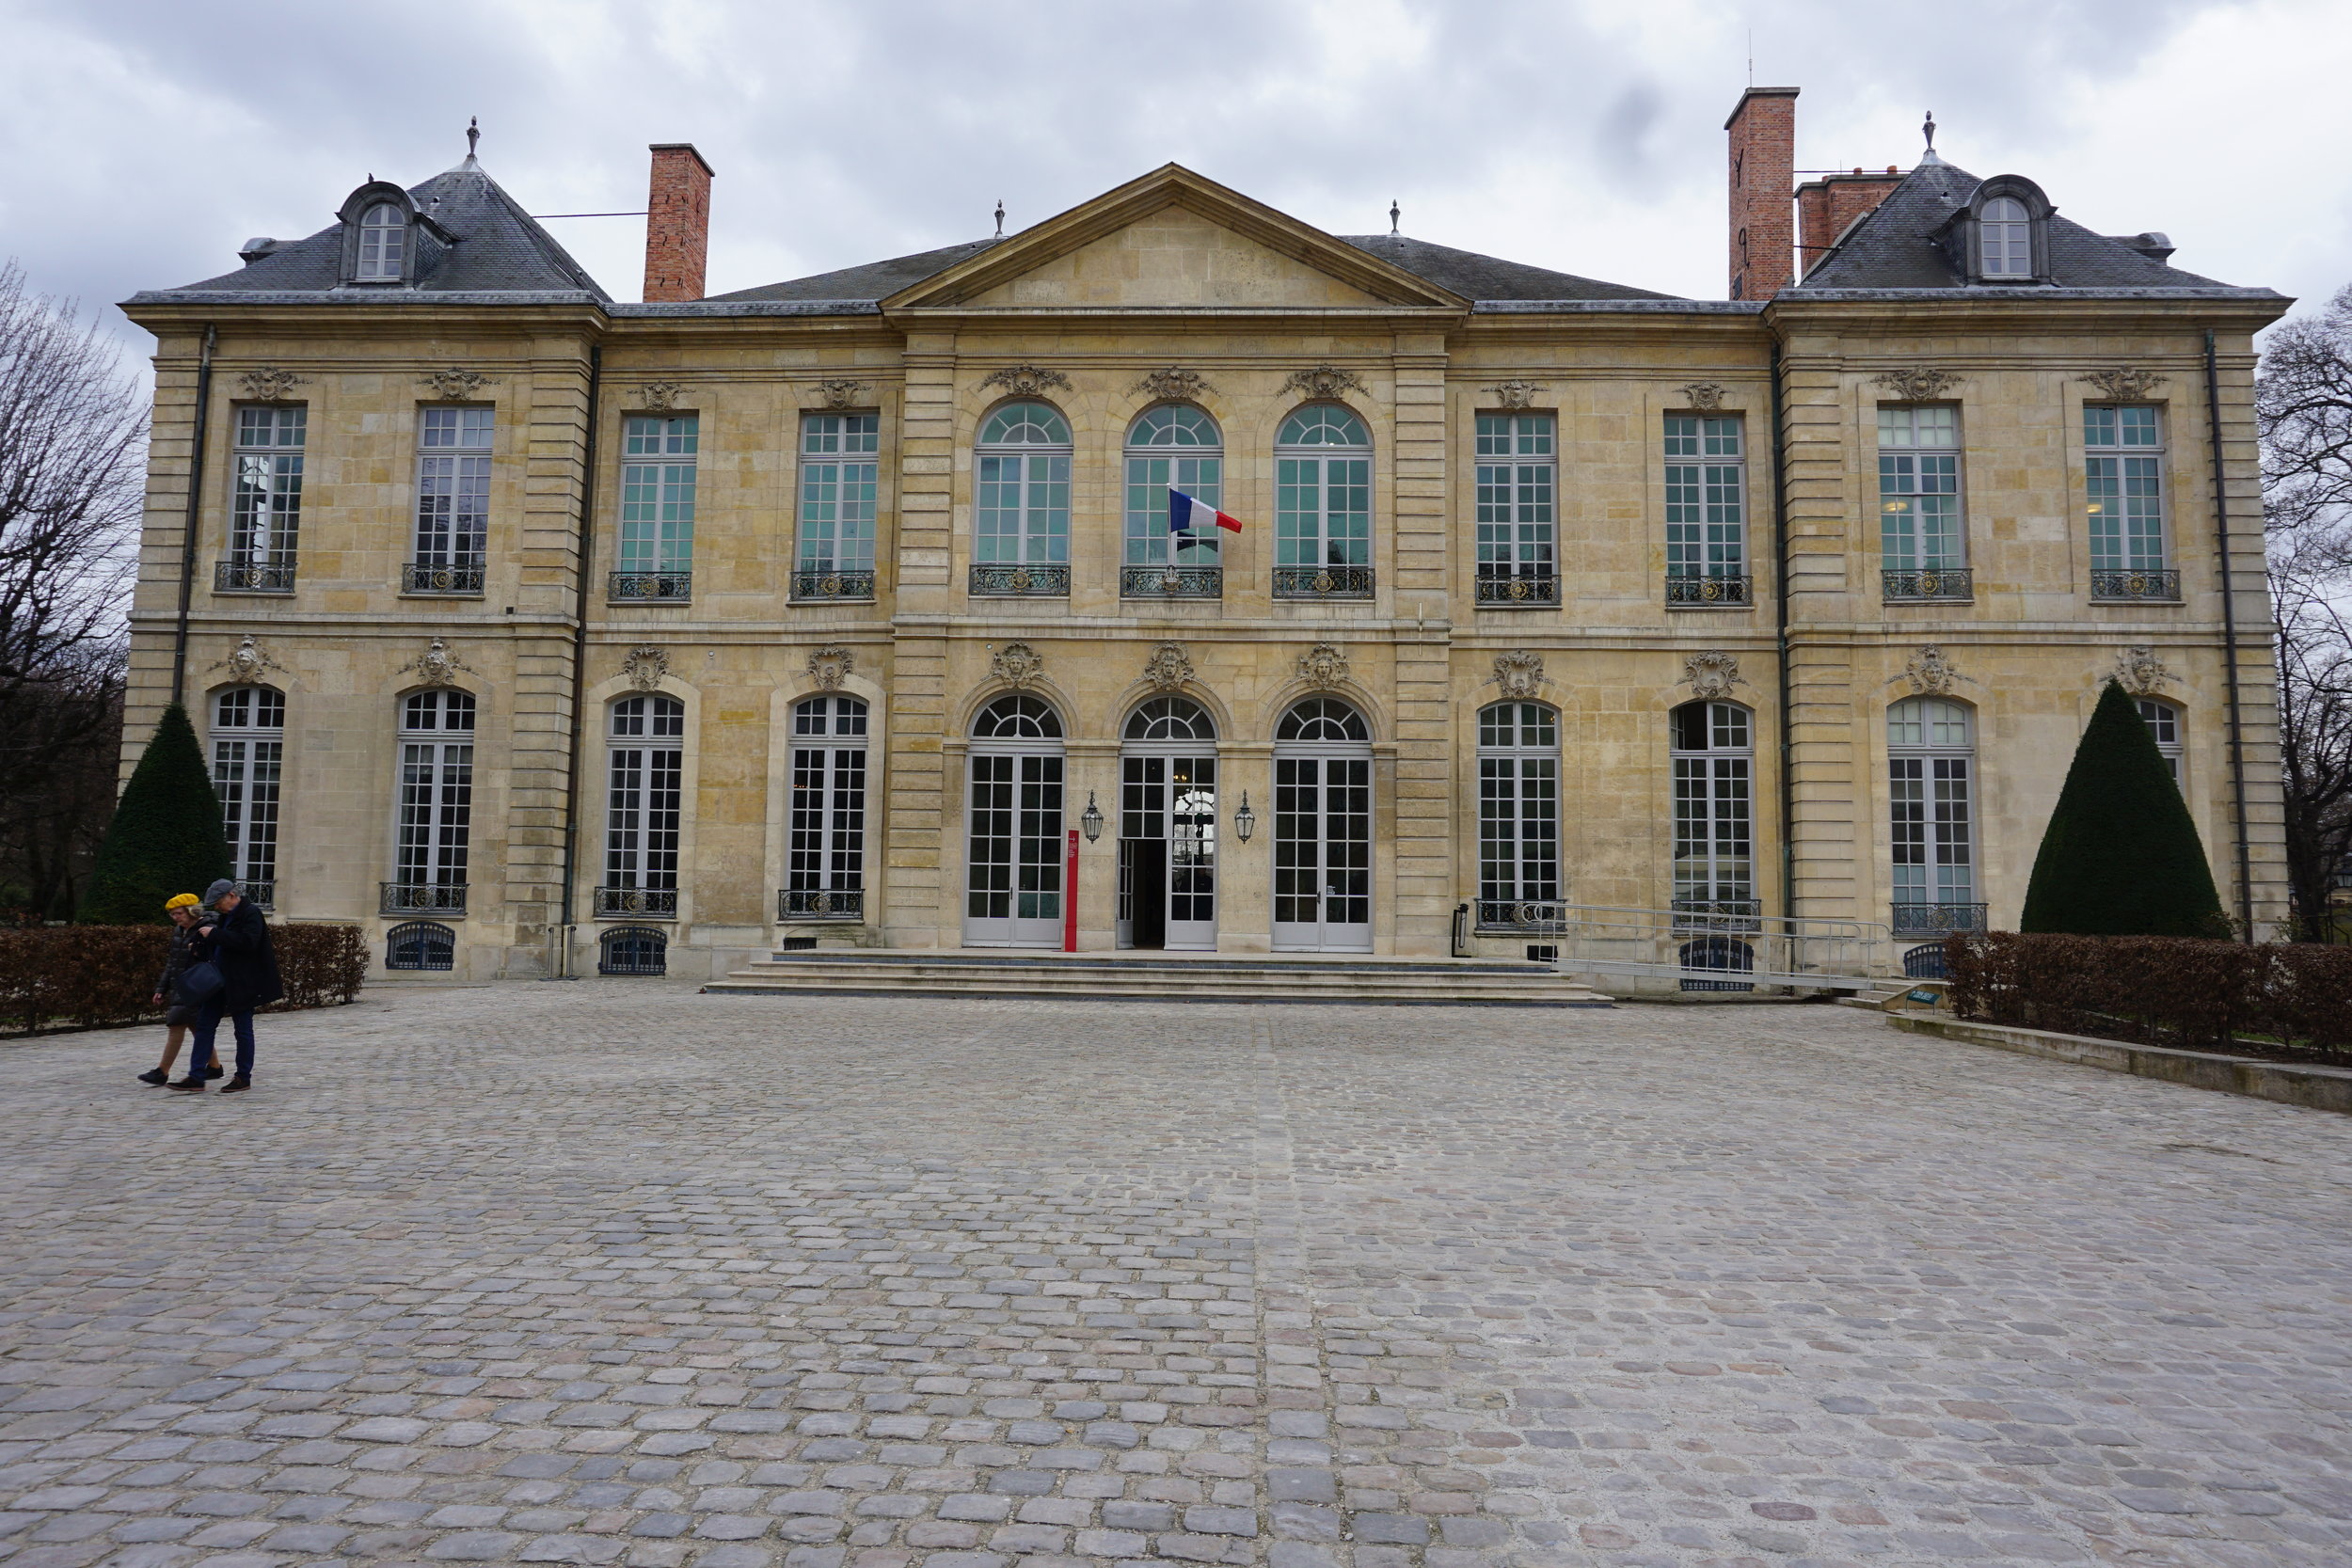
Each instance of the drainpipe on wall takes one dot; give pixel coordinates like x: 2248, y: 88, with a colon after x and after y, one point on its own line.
x: 1780, y: 626
x: 196, y: 501
x: 2229, y: 642
x: 560, y: 966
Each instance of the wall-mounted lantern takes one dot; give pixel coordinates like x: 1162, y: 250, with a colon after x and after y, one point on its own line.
x: 1244, y: 821
x: 1091, y: 818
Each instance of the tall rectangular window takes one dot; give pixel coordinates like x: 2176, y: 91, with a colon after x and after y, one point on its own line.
x: 644, y: 807
x: 1517, y: 474
x: 1714, y: 756
x: 266, y: 515
x: 436, y: 811
x: 1518, y: 811
x: 1931, y: 754
x: 657, y: 494
x: 825, y: 850
x: 1707, y: 548
x: 248, y: 734
x: 453, y: 487
x: 840, y: 469
x: 2124, y: 479
x: 1919, y: 523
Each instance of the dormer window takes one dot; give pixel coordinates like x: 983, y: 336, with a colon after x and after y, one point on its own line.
x: 383, y: 241
x: 2005, y: 238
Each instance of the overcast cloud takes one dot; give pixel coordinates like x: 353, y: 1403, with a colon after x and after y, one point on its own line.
x: 148, y: 138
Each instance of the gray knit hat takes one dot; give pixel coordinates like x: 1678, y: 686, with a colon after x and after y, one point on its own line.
x: 219, y: 889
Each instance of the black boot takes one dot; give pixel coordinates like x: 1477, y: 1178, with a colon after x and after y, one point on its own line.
x: 155, y: 1075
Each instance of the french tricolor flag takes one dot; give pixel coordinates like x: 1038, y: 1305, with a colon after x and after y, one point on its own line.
x: 1185, y: 513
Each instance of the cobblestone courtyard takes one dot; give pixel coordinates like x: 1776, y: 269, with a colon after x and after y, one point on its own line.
x: 613, y: 1273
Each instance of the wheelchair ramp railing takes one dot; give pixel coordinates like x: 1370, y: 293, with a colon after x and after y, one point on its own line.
x: 1723, y: 946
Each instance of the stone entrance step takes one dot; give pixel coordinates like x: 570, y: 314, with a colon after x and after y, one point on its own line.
x: 1163, y: 977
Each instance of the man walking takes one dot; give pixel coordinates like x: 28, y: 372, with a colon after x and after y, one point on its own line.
x: 235, y: 936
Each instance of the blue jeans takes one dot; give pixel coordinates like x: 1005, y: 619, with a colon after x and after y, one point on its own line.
x: 207, y: 1022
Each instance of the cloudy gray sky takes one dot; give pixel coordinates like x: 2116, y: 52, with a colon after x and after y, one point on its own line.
x: 148, y: 138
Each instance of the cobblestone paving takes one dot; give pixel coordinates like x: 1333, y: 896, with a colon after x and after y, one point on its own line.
x: 611, y: 1273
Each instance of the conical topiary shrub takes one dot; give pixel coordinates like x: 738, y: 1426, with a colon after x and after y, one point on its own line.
x: 166, y: 835
x: 2122, y: 856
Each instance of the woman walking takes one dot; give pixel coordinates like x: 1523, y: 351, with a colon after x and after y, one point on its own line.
x: 178, y: 1012
x: 235, y: 936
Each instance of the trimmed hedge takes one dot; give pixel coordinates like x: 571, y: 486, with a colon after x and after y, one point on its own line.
x: 2180, y: 991
x: 89, y: 976
x: 166, y: 836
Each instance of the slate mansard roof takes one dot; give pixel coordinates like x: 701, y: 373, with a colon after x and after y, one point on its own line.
x: 500, y: 251
x: 1893, y: 247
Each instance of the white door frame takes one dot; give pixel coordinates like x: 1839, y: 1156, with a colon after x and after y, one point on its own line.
x: 1191, y: 936
x: 1324, y: 934
x: 1037, y: 764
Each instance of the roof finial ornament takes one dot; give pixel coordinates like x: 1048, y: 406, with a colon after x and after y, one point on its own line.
x: 1395, y: 213
x: 1000, y: 217
x: 1928, y: 130
x: 473, y: 134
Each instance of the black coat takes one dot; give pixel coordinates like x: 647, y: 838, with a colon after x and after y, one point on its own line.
x: 181, y: 954
x: 240, y: 945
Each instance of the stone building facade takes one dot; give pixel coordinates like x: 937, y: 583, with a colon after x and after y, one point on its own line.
x: 537, y: 629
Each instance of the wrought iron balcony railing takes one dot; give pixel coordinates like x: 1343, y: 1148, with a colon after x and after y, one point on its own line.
x: 1539, y: 916
x: 2142, y: 583
x: 1322, y: 583
x: 1937, y: 919
x: 253, y: 577
x: 1717, y: 914
x: 793, y: 903
x: 414, y: 897
x: 828, y: 582
x: 263, y: 893
x: 1534, y: 590
x: 428, y: 577
x: 651, y: 587
x: 1172, y: 582
x: 1039, y: 581
x: 636, y: 903
x: 1712, y: 589
x: 1924, y: 584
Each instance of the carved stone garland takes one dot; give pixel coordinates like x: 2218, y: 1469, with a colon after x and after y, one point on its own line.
x: 456, y: 384
x: 2124, y: 384
x: 1930, y: 673
x: 1324, y: 381
x: 1920, y: 384
x: 1017, y: 665
x: 1323, y: 667
x: 1025, y: 381
x: 1520, y: 672
x: 829, y: 666
x: 645, y: 665
x: 270, y: 386
x: 2140, y: 671
x: 440, y: 665
x: 1169, y: 668
x: 1711, y: 675
x: 1175, y: 384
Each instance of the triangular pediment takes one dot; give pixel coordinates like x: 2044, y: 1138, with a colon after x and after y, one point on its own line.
x: 1173, y: 240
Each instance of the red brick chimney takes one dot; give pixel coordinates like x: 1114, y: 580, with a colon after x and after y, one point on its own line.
x: 1763, y: 176
x: 677, y: 223
x: 1826, y: 206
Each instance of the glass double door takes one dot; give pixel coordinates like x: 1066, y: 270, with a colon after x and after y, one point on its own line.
x: 1323, y: 854
x: 1168, y: 851
x: 1014, y: 850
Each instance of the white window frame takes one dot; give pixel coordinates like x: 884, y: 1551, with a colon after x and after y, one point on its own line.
x: 1932, y: 847
x: 1035, y: 770
x: 1156, y: 461
x: 434, y: 819
x: 2123, y: 487
x: 1021, y: 491
x: 1518, y: 806
x: 840, y: 489
x: 659, y: 458
x: 1714, y: 810
x: 1923, y: 519
x: 645, y: 811
x: 1518, y: 473
x: 454, y: 449
x: 2168, y: 725
x: 382, y: 244
x: 830, y: 784
x: 249, y: 736
x: 265, y: 516
x: 1706, y: 496
x: 2005, y: 237
x: 1310, y: 531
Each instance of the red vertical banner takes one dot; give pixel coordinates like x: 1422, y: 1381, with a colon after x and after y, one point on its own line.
x: 1069, y: 899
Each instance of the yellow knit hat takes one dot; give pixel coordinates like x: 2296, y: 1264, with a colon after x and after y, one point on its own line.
x: 181, y: 901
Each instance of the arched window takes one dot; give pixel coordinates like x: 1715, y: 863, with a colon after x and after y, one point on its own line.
x: 1323, y: 827
x: 2165, y: 726
x: 436, y: 819
x: 1013, y: 818
x: 421, y: 945
x: 2005, y: 238
x: 383, y: 243
x: 1518, y: 815
x: 1020, y: 502
x: 1713, y: 752
x: 824, y: 867
x: 632, y: 950
x: 1171, y: 450
x: 1322, y: 505
x: 248, y: 755
x: 1930, y: 747
x: 1170, y: 719
x: 644, y: 807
